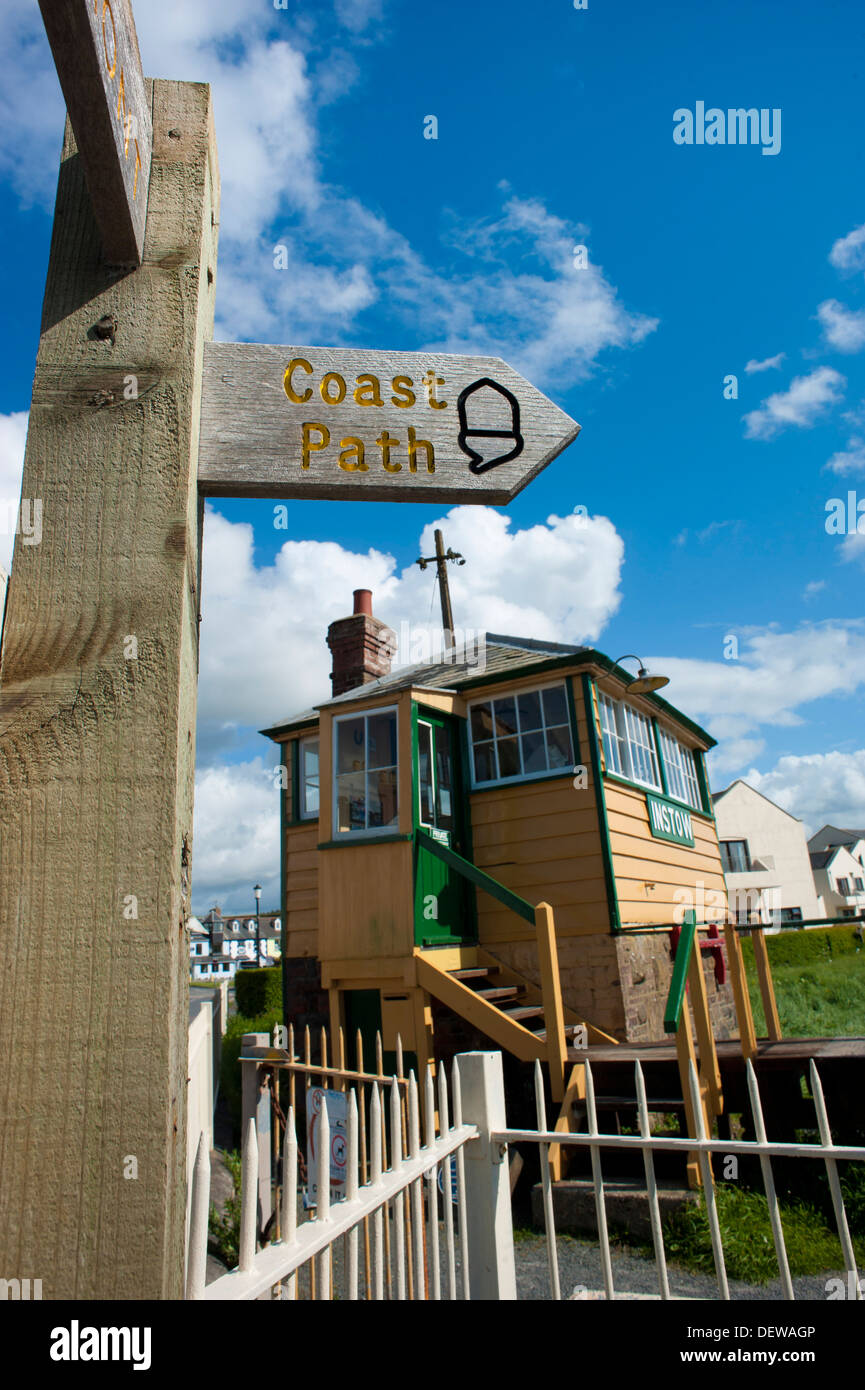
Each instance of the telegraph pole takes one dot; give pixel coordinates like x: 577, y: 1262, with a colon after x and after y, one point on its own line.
x: 440, y: 559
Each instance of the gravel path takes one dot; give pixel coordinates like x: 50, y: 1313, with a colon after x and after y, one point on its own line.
x: 633, y: 1275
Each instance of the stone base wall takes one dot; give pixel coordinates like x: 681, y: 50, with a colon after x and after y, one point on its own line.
x: 646, y: 968
x: 620, y: 983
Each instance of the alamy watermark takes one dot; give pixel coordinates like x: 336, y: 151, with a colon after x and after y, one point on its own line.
x: 421, y: 644
x: 22, y: 519
x: 735, y: 126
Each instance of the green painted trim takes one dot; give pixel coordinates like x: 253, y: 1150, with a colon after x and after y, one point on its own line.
x: 703, y: 782
x: 365, y: 839
x: 673, y: 837
x: 676, y: 997
x: 600, y: 803
x: 465, y: 786
x: 660, y: 756
x: 521, y: 781
x: 294, y: 819
x: 289, y: 729
x: 283, y: 886
x: 572, y: 718
x: 477, y: 876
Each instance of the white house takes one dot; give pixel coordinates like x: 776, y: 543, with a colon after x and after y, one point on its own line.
x: 219, y: 945
x: 840, y: 880
x: 766, y: 860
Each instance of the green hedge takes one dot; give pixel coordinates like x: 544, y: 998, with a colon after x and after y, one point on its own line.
x: 230, y: 1083
x: 810, y: 946
x: 258, y: 992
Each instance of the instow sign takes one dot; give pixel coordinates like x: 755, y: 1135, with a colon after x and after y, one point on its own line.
x: 374, y: 425
x: 95, y: 50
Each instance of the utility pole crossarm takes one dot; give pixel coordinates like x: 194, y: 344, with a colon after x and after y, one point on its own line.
x: 440, y: 560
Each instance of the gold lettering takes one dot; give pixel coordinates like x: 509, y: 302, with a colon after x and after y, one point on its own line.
x: 386, y: 442
x: 137, y: 167
x: 112, y: 64
x: 430, y: 381
x: 352, y: 447
x: 289, y: 389
x: 324, y: 388
x: 405, y: 396
x: 121, y: 101
x: 413, y: 445
x: 307, y: 446
x: 371, y: 385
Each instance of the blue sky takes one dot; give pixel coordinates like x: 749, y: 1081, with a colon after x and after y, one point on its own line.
x: 555, y: 128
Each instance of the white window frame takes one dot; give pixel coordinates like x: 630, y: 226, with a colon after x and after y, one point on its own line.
x: 521, y: 776
x: 621, y: 716
x: 368, y: 832
x: 680, y: 770
x: 301, y: 812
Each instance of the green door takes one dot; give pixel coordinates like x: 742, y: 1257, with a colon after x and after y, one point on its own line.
x: 443, y: 905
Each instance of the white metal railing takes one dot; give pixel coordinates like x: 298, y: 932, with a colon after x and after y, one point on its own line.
x: 410, y: 1247
x: 826, y: 1151
x: 405, y: 1251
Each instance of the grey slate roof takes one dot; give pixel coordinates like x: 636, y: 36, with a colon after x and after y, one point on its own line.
x: 501, y: 654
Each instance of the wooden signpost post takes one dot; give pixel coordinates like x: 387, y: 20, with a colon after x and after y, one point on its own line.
x: 99, y: 656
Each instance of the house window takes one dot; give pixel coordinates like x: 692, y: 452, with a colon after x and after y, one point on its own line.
x: 365, y: 772
x: 520, y: 735
x: 844, y: 887
x: 735, y: 857
x: 680, y: 770
x: 307, y: 779
x: 791, y: 914
x: 857, y: 885
x: 629, y: 743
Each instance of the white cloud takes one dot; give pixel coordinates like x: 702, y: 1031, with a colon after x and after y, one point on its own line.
x: 13, y: 434
x: 812, y: 589
x: 806, y: 399
x: 853, y: 549
x: 776, y: 675
x: 517, y: 294
x: 263, y: 652
x: 842, y: 327
x: 236, y: 836
x: 768, y: 363
x: 848, y: 252
x: 849, y: 460
x: 819, y: 788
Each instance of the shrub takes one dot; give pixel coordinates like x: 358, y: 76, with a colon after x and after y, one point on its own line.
x: 230, y: 1068
x: 258, y: 992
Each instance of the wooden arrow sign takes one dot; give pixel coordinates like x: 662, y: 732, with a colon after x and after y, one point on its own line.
x: 95, y: 50
x: 371, y: 425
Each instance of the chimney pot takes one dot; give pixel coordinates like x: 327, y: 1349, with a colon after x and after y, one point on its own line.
x: 363, y: 601
x: 361, y: 646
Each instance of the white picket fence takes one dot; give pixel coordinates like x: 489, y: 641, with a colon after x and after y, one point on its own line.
x: 413, y: 1249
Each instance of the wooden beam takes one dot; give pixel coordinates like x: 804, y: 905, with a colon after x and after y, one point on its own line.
x: 767, y: 987
x: 512, y: 1036
x: 97, y: 735
x: 551, y: 989
x: 738, y: 979
x: 95, y: 50
x: 686, y: 1054
x: 710, y: 1072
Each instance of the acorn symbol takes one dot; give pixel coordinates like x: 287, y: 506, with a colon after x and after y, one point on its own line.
x: 495, y: 416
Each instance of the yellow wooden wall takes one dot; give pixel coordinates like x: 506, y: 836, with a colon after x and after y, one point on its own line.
x: 541, y: 840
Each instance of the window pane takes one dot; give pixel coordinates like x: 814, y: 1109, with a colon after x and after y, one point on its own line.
x: 482, y: 721
x: 424, y: 754
x: 509, y: 757
x: 444, y: 778
x: 534, y: 752
x: 555, y: 706
x: 381, y: 798
x: 485, y: 762
x: 559, y: 750
x: 505, y: 716
x: 349, y: 745
x: 529, y: 707
x: 309, y: 778
x: 350, y: 802
x: 381, y: 740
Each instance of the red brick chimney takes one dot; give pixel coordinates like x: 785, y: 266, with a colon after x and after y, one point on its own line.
x: 361, y: 646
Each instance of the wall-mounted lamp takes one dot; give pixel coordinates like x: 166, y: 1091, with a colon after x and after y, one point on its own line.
x: 642, y: 683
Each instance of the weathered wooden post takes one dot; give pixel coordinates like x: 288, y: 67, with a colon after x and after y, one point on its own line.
x: 97, y: 729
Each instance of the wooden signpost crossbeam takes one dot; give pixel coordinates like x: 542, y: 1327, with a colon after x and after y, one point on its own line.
x: 96, y: 54
x: 371, y: 425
